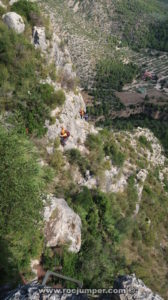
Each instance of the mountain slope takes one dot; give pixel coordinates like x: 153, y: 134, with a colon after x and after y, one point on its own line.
x: 116, y: 181
x: 94, y: 29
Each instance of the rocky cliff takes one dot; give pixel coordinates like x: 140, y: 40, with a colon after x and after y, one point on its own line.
x: 110, y: 162
x: 134, y: 289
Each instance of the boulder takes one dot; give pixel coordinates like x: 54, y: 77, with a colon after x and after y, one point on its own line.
x: 14, y: 21
x: 134, y: 289
x: 39, y: 38
x: 62, y: 225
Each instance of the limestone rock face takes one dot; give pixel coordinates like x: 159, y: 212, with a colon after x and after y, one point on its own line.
x: 58, y: 52
x: 14, y: 21
x: 39, y: 38
x: 69, y: 72
x: 70, y: 119
x: 135, y: 289
x: 62, y: 225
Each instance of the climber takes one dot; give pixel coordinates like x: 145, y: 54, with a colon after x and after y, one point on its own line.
x: 83, y: 114
x: 64, y: 135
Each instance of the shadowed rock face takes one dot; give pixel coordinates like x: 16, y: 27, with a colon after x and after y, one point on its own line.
x: 32, y: 291
x: 135, y: 289
x: 39, y: 38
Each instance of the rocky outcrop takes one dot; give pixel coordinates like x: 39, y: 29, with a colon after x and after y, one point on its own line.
x: 135, y: 289
x: 62, y: 225
x: 131, y: 287
x: 140, y: 179
x: 34, y: 291
x: 69, y: 117
x: 39, y: 38
x: 58, y: 52
x: 14, y: 21
x: 11, y: 2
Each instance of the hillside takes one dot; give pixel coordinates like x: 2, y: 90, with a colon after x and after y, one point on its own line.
x: 93, y: 205
x: 112, y: 45
x: 94, y: 30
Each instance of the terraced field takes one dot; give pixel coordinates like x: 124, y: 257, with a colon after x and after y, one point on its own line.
x: 155, y: 62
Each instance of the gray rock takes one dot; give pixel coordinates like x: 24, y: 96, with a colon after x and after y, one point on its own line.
x: 135, y: 289
x: 69, y: 72
x: 70, y: 119
x: 58, y: 53
x: 33, y: 291
x: 11, y: 2
x: 39, y: 38
x: 62, y: 225
x: 14, y: 21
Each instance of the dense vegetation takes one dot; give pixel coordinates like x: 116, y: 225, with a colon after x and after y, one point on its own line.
x: 113, y: 242
x: 144, y: 24
x: 22, y: 68
x: 22, y: 182
x: 159, y: 127
x: 158, y: 36
x: 29, y: 10
x: 25, y: 104
x: 103, y: 228
x: 111, y: 75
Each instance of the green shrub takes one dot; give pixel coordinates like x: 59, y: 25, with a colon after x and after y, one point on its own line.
x: 29, y: 10
x: 132, y: 195
x: 158, y: 127
x: 34, y: 113
x: 96, y: 154
x: 100, y: 215
x: 93, y: 141
x: 56, y: 160
x: 144, y: 142
x: 75, y: 157
x: 20, y: 91
x: 112, y: 149
x: 2, y: 11
x: 20, y: 202
x: 136, y: 234
x: 51, y: 97
x: 59, y: 98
